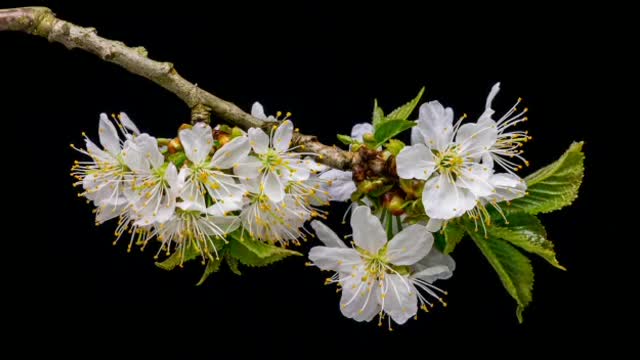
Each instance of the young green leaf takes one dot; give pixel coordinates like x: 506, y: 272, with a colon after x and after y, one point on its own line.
x: 394, y: 146
x: 453, y: 233
x: 554, y: 186
x: 213, y: 265
x: 526, y: 232
x: 346, y: 139
x: 378, y: 115
x: 178, y: 258
x: 391, y: 128
x: 177, y: 159
x: 404, y: 111
x: 252, y: 252
x: 513, y: 268
x: 233, y: 264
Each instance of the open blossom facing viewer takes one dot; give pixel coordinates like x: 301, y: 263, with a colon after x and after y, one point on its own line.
x: 377, y: 276
x: 456, y: 162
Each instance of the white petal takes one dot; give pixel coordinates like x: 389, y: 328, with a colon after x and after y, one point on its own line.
x: 476, y: 139
x: 197, y: 142
x: 409, y: 245
x: 273, y: 188
x: 108, y: 135
x: 340, y: 184
x: 333, y: 258
x: 127, y: 123
x: 436, y: 125
x: 248, y: 168
x: 400, y: 300
x: 368, y: 233
x: 434, y: 266
x: 507, y: 187
x: 98, y: 154
x: 282, y: 136
x: 488, y: 111
x: 231, y: 153
x: 326, y: 235
x: 434, y: 225
x: 108, y: 212
x: 148, y: 145
x: 257, y: 111
x: 171, y: 177
x: 415, y: 162
x: 294, y: 170
x: 358, y: 130
x: 475, y: 177
x: 444, y: 200
x: 416, y: 136
x: 190, y: 193
x: 359, y: 299
x: 259, y: 140
x: 134, y: 158
x: 314, y: 166
x: 214, y: 225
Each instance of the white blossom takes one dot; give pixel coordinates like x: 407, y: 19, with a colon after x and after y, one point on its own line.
x: 377, y: 276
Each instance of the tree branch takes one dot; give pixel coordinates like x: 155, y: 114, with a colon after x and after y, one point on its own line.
x: 42, y: 22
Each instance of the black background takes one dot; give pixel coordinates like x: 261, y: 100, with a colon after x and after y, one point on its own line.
x: 325, y: 65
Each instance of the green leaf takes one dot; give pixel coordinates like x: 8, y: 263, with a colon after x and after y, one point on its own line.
x: 391, y: 128
x: 513, y: 268
x: 213, y: 265
x: 554, y: 186
x: 177, y: 258
x: 346, y: 139
x: 394, y: 146
x: 404, y: 111
x: 251, y: 252
x: 381, y: 190
x: 378, y: 114
x: 526, y: 232
x: 233, y: 264
x: 452, y: 235
x: 177, y: 159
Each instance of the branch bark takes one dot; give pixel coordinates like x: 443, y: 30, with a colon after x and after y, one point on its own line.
x: 41, y: 21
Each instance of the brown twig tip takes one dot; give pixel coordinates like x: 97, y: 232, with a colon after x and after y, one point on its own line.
x: 42, y: 22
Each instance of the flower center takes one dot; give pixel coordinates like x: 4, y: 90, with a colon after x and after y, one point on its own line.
x: 449, y: 161
x: 271, y: 159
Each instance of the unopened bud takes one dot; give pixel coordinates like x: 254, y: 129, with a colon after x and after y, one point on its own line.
x: 393, y: 201
x: 174, y: 146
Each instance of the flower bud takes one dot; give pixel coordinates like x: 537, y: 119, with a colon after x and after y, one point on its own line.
x: 394, y: 202
x: 174, y: 146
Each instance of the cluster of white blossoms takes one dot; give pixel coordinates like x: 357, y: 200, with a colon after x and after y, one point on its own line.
x: 251, y: 181
x: 207, y: 183
x: 453, y: 164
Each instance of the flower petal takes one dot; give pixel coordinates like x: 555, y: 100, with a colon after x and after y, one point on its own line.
x: 282, y: 136
x: 475, y: 177
x: 359, y: 299
x: 108, y: 135
x: 443, y: 199
x: 326, y: 235
x: 197, y: 142
x: 415, y: 162
x: 434, y: 225
x: 368, y: 233
x: 476, y: 139
x: 259, y: 140
x: 507, y: 187
x: 488, y: 111
x: 358, y: 130
x: 333, y: 258
x: 398, y: 298
x: 434, y: 266
x: 128, y: 124
x: 257, y: 111
x: 339, y: 184
x: 436, y: 125
x: 248, y: 168
x: 272, y: 187
x: 148, y: 146
x: 231, y: 153
x: 409, y: 245
x: 133, y: 157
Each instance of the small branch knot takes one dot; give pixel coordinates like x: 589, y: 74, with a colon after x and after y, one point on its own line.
x: 200, y: 113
